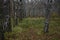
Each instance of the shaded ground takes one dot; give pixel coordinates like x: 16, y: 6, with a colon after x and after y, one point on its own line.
x: 32, y: 29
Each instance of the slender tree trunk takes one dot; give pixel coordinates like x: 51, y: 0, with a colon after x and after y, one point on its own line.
x: 1, y: 21
x: 47, y: 15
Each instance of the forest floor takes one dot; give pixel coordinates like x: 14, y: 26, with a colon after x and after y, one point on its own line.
x: 33, y: 29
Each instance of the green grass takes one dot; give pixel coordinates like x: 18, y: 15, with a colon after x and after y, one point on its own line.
x: 32, y: 29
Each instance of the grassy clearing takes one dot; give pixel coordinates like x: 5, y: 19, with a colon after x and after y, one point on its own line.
x: 32, y: 29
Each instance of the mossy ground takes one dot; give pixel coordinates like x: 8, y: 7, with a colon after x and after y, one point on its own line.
x: 33, y: 29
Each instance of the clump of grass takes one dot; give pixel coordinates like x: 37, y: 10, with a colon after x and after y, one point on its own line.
x: 29, y: 22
